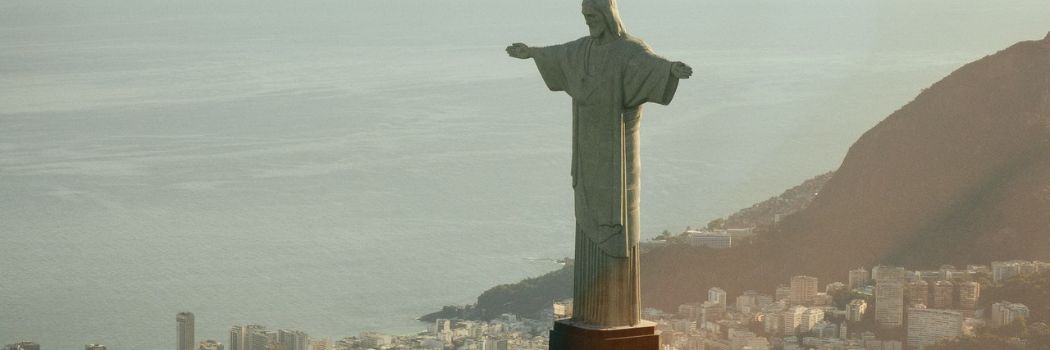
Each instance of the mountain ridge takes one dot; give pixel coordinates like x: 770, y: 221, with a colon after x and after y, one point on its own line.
x: 959, y: 175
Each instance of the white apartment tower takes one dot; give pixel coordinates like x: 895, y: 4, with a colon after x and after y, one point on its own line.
x: 184, y: 330
x: 927, y: 326
x: 803, y: 290
x: 889, y: 303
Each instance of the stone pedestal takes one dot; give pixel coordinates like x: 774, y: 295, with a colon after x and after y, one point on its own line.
x: 568, y: 335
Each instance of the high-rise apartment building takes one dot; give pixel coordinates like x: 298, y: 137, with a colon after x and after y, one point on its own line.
x: 716, y: 295
x: 809, y: 319
x: 292, y: 340
x: 943, y: 295
x: 919, y: 293
x: 803, y: 290
x: 711, y: 312
x: 889, y: 303
x: 969, y: 293
x: 237, y: 338
x: 184, y: 331
x: 792, y: 319
x: 260, y: 340
x: 879, y: 273
x: 747, y: 302
x: 1005, y: 312
x: 928, y: 326
x: 1005, y: 270
x: 858, y: 278
x: 250, y: 337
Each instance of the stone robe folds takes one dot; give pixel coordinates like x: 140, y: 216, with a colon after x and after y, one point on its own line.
x: 608, y: 84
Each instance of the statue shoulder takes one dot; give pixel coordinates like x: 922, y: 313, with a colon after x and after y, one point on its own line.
x: 634, y: 43
x: 579, y: 42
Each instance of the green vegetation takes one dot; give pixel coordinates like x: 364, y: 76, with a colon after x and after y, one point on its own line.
x: 716, y: 224
x: 527, y: 298
x: 1033, y: 291
x: 1031, y: 334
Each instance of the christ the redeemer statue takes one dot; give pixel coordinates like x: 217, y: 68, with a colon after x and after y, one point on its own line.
x: 609, y: 75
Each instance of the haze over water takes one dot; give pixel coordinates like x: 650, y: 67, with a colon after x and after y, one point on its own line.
x: 342, y: 166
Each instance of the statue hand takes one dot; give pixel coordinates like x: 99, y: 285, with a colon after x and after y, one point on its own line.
x: 519, y: 50
x: 681, y: 70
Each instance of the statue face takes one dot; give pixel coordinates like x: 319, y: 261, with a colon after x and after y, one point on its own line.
x: 595, y: 21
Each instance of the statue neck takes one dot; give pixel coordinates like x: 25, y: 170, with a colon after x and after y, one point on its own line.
x: 603, y: 39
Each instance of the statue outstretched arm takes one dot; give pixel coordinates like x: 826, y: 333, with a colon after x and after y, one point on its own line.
x: 681, y: 70
x: 519, y: 50
x: 548, y: 59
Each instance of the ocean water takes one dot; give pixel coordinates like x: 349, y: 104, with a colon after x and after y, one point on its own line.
x: 343, y: 166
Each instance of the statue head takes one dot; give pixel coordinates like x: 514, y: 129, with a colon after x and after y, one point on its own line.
x: 603, y: 17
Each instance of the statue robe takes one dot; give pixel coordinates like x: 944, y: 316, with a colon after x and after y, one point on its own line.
x: 608, y: 84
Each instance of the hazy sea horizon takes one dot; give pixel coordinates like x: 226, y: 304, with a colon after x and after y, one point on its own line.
x: 345, y: 166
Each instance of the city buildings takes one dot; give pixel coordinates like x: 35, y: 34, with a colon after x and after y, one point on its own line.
x: 691, y: 311
x: 716, y: 295
x: 1005, y: 312
x: 889, y: 303
x: 250, y: 337
x: 26, y: 345
x: 322, y: 344
x: 563, y: 309
x: 881, y: 272
x: 943, y: 295
x: 803, y: 290
x: 752, y: 301
x: 800, y: 318
x: 184, y: 330
x: 292, y: 340
x: 919, y: 293
x: 1005, y: 270
x: 858, y: 278
x: 855, y: 310
x: 747, y: 302
x: 792, y: 319
x: 809, y: 319
x: 711, y: 311
x: 716, y: 240
x: 969, y: 293
x: 834, y: 287
x: 782, y: 293
x: 375, y: 339
x: 210, y: 345
x: 927, y: 326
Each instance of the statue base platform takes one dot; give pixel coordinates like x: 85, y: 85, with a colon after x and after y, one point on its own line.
x: 568, y: 335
